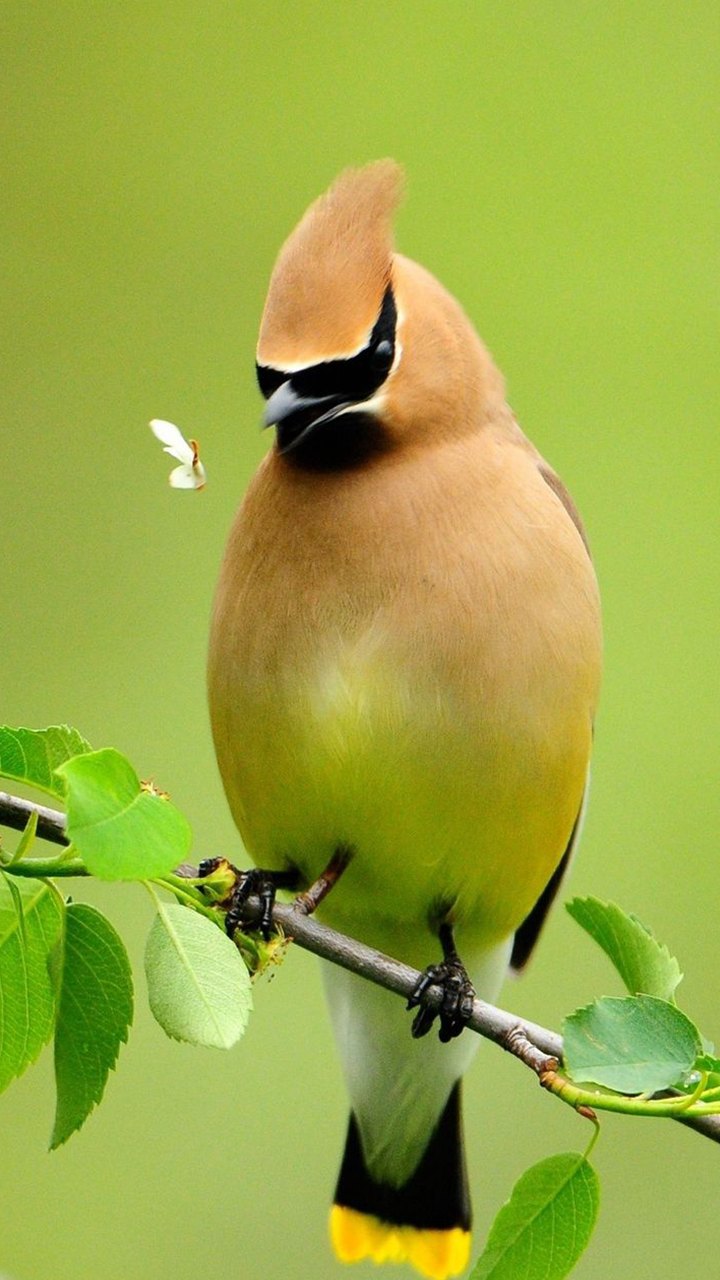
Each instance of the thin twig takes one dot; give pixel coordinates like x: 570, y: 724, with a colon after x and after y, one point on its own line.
x: 533, y: 1045
x: 15, y: 812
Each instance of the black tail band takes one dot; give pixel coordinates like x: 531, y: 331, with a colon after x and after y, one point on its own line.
x: 436, y: 1198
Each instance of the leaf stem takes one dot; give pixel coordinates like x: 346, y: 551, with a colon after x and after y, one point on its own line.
x: 673, y: 1107
x: 183, y: 891
x: 41, y: 868
x: 595, y: 1135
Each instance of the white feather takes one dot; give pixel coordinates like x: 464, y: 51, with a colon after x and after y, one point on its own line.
x: 398, y: 1086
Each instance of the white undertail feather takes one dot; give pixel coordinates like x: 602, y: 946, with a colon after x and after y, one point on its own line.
x: 398, y: 1086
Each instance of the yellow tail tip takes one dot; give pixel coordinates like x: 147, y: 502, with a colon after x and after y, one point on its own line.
x: 436, y: 1254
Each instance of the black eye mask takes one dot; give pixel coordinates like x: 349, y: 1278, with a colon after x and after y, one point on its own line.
x: 356, y: 378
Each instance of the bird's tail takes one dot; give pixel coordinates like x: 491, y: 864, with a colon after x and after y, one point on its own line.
x: 425, y: 1222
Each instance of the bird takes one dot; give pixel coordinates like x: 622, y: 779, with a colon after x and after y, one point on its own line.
x: 403, y: 674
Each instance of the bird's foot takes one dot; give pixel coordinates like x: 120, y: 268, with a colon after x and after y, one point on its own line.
x: 243, y: 885
x: 456, y: 1005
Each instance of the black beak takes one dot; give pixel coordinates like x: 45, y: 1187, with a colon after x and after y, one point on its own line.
x: 296, y: 415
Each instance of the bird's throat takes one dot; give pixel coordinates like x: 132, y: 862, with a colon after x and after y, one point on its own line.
x: 344, y: 442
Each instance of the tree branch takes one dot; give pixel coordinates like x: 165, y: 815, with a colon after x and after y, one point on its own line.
x: 536, y: 1046
x: 15, y: 812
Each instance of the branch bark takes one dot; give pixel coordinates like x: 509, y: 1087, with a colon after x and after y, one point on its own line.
x: 15, y: 812
x: 537, y: 1047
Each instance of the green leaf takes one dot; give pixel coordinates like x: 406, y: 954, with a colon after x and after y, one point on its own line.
x: 122, y: 830
x: 27, y: 839
x: 16, y: 895
x: 94, y: 1013
x: 633, y: 1044
x: 198, y: 985
x: 546, y: 1224
x: 33, y: 755
x: 707, y: 1062
x: 644, y: 964
x: 30, y: 931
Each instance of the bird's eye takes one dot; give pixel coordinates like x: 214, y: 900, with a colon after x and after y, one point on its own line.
x: 382, y: 356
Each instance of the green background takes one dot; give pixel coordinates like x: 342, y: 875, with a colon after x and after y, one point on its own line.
x: 562, y: 180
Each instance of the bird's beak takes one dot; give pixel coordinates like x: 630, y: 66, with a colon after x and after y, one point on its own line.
x: 295, y: 415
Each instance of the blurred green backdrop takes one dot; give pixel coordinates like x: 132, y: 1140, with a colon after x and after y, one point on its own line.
x: 563, y: 181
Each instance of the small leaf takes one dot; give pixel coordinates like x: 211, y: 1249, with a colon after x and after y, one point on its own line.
x: 644, y: 964
x: 546, y: 1224
x: 33, y: 755
x: 634, y: 1044
x: 120, y: 829
x: 198, y: 985
x: 94, y: 1013
x: 27, y: 839
x: 29, y: 934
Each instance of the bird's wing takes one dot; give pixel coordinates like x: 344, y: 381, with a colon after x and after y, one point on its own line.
x: 554, y: 482
x: 529, y: 932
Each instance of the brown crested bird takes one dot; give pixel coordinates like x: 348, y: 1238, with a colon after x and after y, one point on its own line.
x: 403, y: 674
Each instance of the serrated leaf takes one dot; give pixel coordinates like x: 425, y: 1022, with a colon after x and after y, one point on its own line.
x: 95, y: 1009
x: 28, y: 938
x: 33, y: 755
x: 198, y: 985
x: 546, y: 1224
x: 121, y: 830
x: 632, y: 1044
x: 644, y: 964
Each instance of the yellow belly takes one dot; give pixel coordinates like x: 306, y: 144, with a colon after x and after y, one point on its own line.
x: 437, y: 800
x: 430, y: 710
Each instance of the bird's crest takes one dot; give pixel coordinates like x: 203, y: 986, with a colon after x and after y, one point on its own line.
x: 328, y: 283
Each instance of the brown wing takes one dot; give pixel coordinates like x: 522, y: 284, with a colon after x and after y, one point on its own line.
x: 555, y: 483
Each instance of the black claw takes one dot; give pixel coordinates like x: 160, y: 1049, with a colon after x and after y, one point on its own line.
x: 457, y: 1000
x: 422, y: 1022
x: 252, y: 883
x: 431, y: 974
x: 208, y: 865
x: 247, y: 884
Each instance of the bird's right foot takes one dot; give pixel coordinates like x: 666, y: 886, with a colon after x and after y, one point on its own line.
x: 458, y: 993
x: 455, y: 1007
x: 255, y: 882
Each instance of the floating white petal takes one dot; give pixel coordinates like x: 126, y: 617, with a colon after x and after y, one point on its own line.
x: 191, y: 473
x: 184, y: 477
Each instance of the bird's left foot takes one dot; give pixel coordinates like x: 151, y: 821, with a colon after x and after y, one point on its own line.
x: 458, y: 994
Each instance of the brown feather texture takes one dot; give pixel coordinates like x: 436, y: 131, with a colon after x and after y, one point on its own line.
x: 404, y: 663
x: 327, y: 285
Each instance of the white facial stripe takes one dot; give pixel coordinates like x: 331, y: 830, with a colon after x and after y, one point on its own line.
x: 374, y: 405
x: 290, y: 368
x: 299, y: 366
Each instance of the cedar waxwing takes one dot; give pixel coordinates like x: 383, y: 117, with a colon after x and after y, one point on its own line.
x: 403, y: 673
